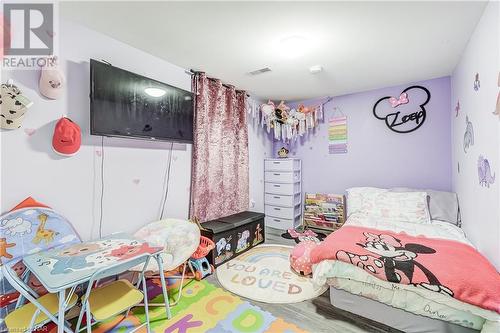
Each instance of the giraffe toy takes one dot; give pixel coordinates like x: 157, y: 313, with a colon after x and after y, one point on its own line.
x: 43, y: 234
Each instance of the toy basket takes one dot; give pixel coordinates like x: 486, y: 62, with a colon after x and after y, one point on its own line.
x: 206, y: 245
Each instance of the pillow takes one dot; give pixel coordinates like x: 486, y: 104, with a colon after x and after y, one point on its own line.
x: 443, y: 206
x: 410, y: 207
x: 356, y: 195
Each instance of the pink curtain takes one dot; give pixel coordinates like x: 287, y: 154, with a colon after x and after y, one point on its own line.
x: 219, y: 185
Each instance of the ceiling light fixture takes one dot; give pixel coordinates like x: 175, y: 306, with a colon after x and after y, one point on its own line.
x: 316, y: 69
x: 155, y: 92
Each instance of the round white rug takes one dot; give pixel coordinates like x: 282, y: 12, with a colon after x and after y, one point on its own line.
x: 263, y: 274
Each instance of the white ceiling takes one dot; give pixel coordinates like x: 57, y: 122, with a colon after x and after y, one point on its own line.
x: 361, y: 45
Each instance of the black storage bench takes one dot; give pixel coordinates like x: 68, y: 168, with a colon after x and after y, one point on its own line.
x: 233, y: 235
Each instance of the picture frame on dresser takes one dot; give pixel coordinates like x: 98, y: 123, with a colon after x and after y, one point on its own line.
x: 283, y: 193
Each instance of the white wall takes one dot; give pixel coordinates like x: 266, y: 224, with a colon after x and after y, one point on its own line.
x: 133, y: 170
x: 479, y: 204
x: 260, y: 146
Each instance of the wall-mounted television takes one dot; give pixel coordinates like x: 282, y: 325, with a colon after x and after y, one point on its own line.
x: 125, y: 104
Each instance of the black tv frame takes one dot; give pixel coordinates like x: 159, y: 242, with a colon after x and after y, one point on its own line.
x: 136, y: 137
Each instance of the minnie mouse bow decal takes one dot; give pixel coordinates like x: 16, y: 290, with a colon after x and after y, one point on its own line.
x: 405, y: 113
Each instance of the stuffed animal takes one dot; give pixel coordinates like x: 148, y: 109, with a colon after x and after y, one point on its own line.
x: 283, y: 152
x: 268, y: 114
x: 282, y: 112
x: 300, y: 258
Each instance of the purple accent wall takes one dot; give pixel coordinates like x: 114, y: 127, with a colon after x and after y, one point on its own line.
x: 376, y: 155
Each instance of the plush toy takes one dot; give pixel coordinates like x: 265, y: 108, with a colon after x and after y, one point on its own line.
x: 282, y: 112
x: 268, y: 114
x: 300, y: 258
x: 283, y: 152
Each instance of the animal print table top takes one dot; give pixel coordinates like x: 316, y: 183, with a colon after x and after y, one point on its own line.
x: 70, y: 265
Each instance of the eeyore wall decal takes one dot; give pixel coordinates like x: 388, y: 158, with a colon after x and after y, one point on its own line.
x: 484, y: 172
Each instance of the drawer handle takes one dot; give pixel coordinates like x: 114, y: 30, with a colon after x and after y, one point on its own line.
x: 276, y: 220
x: 275, y: 197
x: 276, y: 162
x: 276, y: 208
x: 277, y: 174
x: 277, y: 185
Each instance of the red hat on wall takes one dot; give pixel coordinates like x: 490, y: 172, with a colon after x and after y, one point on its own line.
x: 67, y: 137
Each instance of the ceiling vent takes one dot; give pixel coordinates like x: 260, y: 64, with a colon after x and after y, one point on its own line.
x: 259, y: 71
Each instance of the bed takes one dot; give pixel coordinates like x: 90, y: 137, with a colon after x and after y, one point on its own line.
x: 405, y: 306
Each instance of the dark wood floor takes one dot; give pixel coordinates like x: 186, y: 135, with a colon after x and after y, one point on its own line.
x: 317, y: 314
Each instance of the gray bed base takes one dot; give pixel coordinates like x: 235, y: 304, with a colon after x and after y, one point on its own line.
x: 390, y: 316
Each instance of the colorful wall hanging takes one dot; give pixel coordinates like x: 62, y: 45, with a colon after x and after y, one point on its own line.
x: 337, y: 133
x: 468, y: 135
x: 406, y: 113
x: 288, y: 124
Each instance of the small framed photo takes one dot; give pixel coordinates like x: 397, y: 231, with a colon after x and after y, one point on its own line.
x: 324, y: 211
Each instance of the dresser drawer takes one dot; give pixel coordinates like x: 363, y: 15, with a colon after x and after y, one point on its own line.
x: 280, y: 223
x: 282, y: 200
x: 287, y: 189
x: 282, y: 165
x: 283, y: 212
x: 282, y: 176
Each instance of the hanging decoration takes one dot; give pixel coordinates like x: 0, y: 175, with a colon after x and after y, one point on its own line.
x: 469, y: 134
x: 477, y: 82
x: 405, y: 113
x: 484, y: 172
x: 337, y: 133
x: 287, y: 123
x: 13, y: 106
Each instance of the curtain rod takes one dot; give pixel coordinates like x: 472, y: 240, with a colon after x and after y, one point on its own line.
x: 193, y: 72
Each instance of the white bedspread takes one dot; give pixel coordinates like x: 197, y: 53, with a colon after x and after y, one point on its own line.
x: 407, y: 297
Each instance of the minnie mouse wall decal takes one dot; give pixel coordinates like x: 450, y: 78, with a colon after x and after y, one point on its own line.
x: 405, y: 113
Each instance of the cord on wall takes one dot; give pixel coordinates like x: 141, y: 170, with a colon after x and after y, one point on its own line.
x: 102, y: 186
x: 166, y: 180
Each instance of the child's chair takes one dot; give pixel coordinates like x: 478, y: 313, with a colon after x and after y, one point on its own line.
x: 28, y: 230
x: 116, y: 297
x: 180, y: 239
x: 39, y: 310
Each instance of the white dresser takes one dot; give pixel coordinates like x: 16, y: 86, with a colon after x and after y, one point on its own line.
x: 283, y: 192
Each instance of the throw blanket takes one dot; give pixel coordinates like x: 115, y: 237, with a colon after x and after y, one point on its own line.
x: 444, y: 266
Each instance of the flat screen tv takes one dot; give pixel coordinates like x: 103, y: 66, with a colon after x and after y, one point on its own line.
x: 124, y: 104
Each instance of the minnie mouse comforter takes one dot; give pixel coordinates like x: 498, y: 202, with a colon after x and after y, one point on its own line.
x: 444, y: 266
